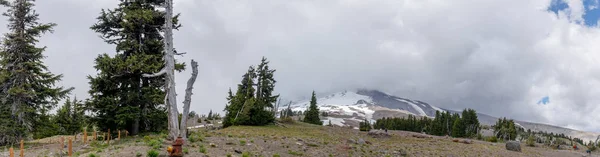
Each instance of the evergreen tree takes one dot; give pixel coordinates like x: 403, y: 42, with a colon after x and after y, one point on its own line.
x: 70, y: 117
x: 121, y: 98
x: 312, y: 114
x: 210, y: 115
x: 26, y: 85
x: 250, y: 105
x: 458, y: 128
x: 364, y: 125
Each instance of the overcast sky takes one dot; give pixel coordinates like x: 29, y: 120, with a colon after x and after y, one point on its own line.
x: 496, y: 56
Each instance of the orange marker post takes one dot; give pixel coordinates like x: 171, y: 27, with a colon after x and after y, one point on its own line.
x: 11, y: 152
x: 62, y: 143
x: 22, y: 149
x: 84, y: 136
x: 70, y: 147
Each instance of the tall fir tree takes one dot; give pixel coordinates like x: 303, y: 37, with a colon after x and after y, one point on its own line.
x: 312, y: 114
x: 26, y: 86
x: 121, y: 98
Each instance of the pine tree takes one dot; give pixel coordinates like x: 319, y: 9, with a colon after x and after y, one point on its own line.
x: 121, y: 98
x: 210, y: 115
x: 26, y: 85
x: 250, y: 105
x: 312, y: 114
x: 70, y: 117
x: 364, y: 125
x: 458, y: 128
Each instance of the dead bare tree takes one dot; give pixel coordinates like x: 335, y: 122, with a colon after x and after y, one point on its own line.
x: 188, y: 100
x: 169, y: 71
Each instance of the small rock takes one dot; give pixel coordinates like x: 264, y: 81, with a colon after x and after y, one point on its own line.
x: 298, y: 143
x: 378, y: 133
x: 212, y: 145
x: 368, y: 142
x: 467, y: 141
x: 361, y: 141
x: 300, y: 140
x: 513, y: 146
x: 305, y: 148
x: 238, y: 151
x: 283, y: 137
x: 402, y: 152
x: 351, y: 141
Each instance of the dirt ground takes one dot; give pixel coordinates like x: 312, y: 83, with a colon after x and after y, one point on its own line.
x: 292, y: 140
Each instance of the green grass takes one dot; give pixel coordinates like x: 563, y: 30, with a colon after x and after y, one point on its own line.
x: 246, y: 154
x: 186, y: 150
x: 92, y: 155
x: 202, y: 149
x: 153, y: 153
x: 294, y: 153
x: 242, y: 142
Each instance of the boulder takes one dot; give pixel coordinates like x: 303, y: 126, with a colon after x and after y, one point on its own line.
x: 378, y: 133
x: 513, y: 146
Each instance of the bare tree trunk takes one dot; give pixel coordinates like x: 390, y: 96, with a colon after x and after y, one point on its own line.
x: 171, y: 95
x: 170, y: 70
x: 188, y: 100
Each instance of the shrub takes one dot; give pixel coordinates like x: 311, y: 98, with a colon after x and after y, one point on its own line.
x: 228, y: 154
x: 186, y: 150
x: 92, y: 155
x: 242, y: 142
x: 287, y: 120
x: 202, y: 149
x: 276, y: 155
x: 245, y: 154
x: 138, y: 154
x: 530, y: 141
x: 152, y: 153
x: 493, y: 139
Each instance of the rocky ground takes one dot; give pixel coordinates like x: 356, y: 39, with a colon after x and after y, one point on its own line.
x: 297, y: 139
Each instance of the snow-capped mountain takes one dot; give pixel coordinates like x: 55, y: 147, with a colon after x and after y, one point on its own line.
x: 348, y: 108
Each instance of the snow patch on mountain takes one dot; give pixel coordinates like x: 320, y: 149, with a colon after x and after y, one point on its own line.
x: 414, y: 106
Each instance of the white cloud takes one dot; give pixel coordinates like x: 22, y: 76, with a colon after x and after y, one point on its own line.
x: 498, y: 57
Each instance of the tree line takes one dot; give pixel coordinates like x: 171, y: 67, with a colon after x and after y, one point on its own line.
x: 444, y: 123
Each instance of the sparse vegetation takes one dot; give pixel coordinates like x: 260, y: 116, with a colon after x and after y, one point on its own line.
x: 153, y: 153
x: 530, y: 141
x: 202, y: 149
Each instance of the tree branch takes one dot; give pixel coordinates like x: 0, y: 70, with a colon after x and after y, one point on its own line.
x: 181, y: 54
x: 161, y: 72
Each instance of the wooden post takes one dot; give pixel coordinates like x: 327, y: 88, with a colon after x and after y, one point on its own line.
x: 62, y: 144
x: 22, y: 149
x: 75, y: 137
x: 70, y: 147
x: 84, y: 136
x: 119, y: 137
x: 11, y: 152
x: 126, y: 133
x: 108, y: 135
